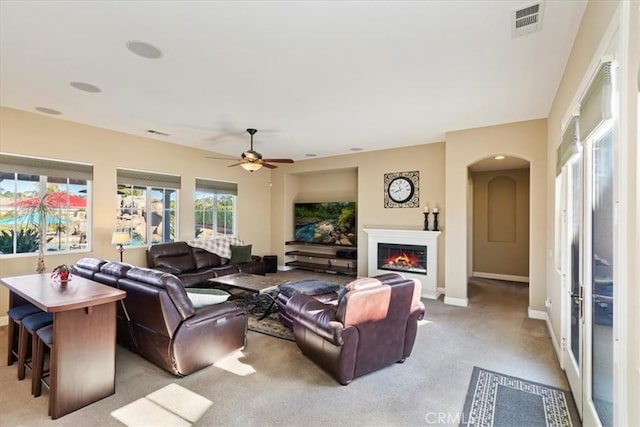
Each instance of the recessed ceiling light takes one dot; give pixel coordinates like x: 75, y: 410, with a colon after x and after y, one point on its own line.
x: 499, y: 157
x: 86, y: 87
x: 144, y: 49
x: 311, y: 155
x: 356, y: 149
x: 48, y: 110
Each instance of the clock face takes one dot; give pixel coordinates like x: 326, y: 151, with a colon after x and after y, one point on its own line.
x: 400, y: 189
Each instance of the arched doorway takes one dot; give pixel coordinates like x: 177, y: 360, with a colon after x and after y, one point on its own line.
x: 498, y: 219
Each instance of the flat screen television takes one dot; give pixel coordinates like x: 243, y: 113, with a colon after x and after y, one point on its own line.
x: 328, y: 223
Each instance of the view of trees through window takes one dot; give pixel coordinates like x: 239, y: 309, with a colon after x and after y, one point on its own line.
x: 148, y: 214
x: 30, y: 203
x: 214, y: 214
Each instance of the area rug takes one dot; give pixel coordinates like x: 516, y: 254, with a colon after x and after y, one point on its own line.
x: 270, y: 325
x: 494, y: 399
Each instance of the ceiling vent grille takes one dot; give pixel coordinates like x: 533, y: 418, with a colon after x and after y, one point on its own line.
x: 526, y: 20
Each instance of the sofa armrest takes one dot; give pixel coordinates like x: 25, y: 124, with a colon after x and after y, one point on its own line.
x: 214, y: 312
x: 315, y: 316
x: 170, y: 270
x: 418, y: 310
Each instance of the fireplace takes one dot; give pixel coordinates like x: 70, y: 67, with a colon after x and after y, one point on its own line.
x: 402, y: 258
x: 410, y: 252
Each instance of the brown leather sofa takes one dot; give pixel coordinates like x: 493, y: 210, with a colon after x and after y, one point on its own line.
x: 194, y: 266
x: 158, y: 321
x: 373, y: 325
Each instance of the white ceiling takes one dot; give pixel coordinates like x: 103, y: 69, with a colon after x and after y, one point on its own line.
x: 312, y: 77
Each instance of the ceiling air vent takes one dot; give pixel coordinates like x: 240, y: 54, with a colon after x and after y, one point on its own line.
x: 526, y: 20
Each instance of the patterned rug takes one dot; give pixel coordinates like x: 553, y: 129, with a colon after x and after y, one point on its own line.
x: 499, y: 400
x: 256, y: 306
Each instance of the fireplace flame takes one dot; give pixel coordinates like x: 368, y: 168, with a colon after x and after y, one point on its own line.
x: 402, y: 261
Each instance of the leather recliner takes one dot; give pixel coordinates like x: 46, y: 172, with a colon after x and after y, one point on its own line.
x: 158, y: 321
x: 373, y: 326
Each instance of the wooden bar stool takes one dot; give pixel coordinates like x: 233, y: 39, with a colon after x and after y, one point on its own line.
x: 44, y: 338
x: 29, y: 326
x: 15, y: 315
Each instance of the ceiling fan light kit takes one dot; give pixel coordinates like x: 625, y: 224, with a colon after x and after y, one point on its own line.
x: 252, y: 161
x: 251, y: 167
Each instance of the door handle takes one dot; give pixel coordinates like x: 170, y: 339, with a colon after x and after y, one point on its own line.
x: 579, y: 299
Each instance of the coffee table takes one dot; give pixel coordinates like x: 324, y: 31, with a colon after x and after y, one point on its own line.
x: 253, y: 283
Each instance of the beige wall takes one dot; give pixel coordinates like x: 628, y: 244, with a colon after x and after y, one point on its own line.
x: 37, y: 135
x: 599, y: 16
x: 504, y: 249
x: 310, y: 178
x: 463, y: 148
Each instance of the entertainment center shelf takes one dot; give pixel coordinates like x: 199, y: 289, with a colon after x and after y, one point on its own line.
x: 314, y: 263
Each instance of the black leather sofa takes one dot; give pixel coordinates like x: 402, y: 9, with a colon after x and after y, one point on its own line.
x: 158, y: 321
x: 194, y: 266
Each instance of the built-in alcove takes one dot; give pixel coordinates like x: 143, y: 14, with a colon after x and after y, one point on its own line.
x: 500, y: 224
x: 337, y: 185
x: 501, y: 209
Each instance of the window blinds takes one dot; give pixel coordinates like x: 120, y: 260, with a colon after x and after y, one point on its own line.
x: 218, y: 187
x: 596, y: 107
x: 570, y: 144
x: 52, y: 168
x: 148, y: 179
x: 597, y: 103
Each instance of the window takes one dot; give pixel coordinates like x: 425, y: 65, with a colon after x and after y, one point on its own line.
x: 215, y: 208
x: 147, y: 206
x: 43, y: 195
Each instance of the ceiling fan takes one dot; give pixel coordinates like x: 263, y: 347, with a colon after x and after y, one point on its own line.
x: 252, y: 160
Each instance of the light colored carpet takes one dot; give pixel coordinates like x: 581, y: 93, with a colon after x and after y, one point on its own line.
x: 272, y: 384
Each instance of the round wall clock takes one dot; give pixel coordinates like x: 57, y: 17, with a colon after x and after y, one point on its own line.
x: 401, y: 189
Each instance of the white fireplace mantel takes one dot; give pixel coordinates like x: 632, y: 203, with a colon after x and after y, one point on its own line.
x: 407, y: 236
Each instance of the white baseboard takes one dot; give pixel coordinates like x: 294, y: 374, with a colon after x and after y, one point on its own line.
x: 556, y: 344
x: 537, y: 314
x: 495, y: 276
x: 4, y: 320
x: 543, y: 315
x: 460, y: 302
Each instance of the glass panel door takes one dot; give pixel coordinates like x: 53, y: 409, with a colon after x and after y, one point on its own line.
x: 602, y: 283
x: 574, y: 346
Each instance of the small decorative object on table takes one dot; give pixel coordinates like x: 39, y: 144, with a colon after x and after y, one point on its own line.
x: 426, y: 218
x: 62, y: 273
x: 435, y: 219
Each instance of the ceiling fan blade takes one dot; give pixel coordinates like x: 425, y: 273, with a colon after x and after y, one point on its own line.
x: 269, y: 166
x: 235, y: 164
x: 278, y: 160
x: 221, y: 158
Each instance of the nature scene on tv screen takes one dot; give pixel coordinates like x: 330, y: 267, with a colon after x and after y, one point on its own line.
x: 331, y: 223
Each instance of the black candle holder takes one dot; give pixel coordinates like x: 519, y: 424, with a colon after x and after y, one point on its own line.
x: 426, y: 221
x: 435, y: 221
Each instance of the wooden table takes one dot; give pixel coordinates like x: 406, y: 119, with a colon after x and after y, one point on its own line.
x: 253, y: 283
x: 84, y: 336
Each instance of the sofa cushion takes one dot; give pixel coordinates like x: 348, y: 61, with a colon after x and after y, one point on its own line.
x: 206, y: 259
x: 203, y: 297
x: 118, y: 269
x: 92, y: 264
x: 308, y: 287
x: 175, y: 255
x: 240, y: 254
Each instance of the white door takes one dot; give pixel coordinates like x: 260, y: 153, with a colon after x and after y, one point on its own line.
x: 573, y: 345
x: 588, y: 276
